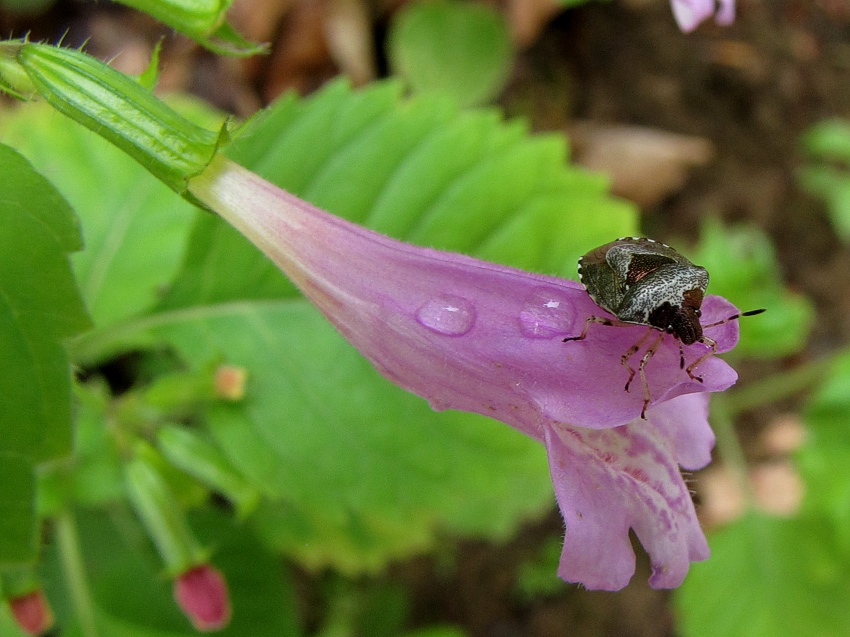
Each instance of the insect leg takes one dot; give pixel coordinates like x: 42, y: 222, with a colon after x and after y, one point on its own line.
x: 650, y: 352
x: 713, y: 350
x: 624, y: 359
x: 596, y: 319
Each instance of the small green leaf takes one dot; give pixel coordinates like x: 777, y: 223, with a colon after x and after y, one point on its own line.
x: 768, y: 577
x: 463, y: 49
x: 201, y: 20
x: 744, y: 269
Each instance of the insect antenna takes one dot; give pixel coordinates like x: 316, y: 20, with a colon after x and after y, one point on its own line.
x: 734, y: 317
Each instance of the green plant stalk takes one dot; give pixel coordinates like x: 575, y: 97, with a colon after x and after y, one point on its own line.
x: 781, y: 385
x: 75, y: 573
x: 162, y: 517
x: 729, y: 447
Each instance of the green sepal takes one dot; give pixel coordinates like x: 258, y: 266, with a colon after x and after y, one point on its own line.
x: 18, y: 581
x: 200, y: 458
x: 201, y: 20
x: 115, y: 107
x: 162, y: 516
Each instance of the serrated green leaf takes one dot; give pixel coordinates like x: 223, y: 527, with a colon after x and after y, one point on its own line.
x: 39, y: 307
x: 767, y: 577
x: 462, y: 49
x: 744, y: 269
x: 135, y: 227
x: 356, y: 471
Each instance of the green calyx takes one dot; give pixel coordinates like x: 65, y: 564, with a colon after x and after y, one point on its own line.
x: 113, y: 105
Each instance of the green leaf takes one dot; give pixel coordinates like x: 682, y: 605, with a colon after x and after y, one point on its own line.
x: 201, y: 20
x: 768, y: 577
x: 462, y: 49
x: 826, y: 174
x: 39, y: 307
x: 744, y: 269
x: 94, y: 477
x: 824, y: 460
x: 135, y: 227
x: 18, y: 529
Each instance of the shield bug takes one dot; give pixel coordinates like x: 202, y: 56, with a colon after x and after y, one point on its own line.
x: 644, y: 282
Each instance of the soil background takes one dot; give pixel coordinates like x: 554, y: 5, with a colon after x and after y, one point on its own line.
x: 748, y: 91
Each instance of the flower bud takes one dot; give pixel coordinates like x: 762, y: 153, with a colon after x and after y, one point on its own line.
x: 201, y: 592
x: 32, y: 612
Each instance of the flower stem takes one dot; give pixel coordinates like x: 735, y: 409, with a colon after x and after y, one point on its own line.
x: 75, y: 575
x: 729, y: 447
x: 781, y: 385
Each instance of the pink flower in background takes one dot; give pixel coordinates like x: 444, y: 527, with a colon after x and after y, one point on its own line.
x: 476, y: 336
x: 32, y: 612
x: 690, y: 13
x: 202, y: 594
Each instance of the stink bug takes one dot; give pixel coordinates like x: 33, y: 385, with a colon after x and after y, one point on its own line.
x: 644, y: 282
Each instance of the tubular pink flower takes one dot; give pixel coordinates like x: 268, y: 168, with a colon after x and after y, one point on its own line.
x: 476, y: 336
x: 690, y: 13
x: 32, y: 612
x: 202, y: 594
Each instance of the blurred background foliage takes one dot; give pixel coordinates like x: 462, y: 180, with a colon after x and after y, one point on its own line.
x: 524, y: 132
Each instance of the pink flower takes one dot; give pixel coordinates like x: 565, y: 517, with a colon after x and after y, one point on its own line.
x: 32, y: 612
x: 689, y: 13
x: 475, y: 336
x: 608, y: 481
x: 202, y: 594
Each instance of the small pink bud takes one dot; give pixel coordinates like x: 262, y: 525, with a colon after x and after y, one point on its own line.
x: 32, y: 612
x: 202, y: 594
x: 230, y: 382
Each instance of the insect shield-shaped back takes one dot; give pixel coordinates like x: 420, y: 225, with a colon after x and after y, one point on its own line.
x: 643, y: 282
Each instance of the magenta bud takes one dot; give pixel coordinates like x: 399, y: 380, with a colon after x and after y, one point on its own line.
x: 201, y: 592
x: 32, y: 612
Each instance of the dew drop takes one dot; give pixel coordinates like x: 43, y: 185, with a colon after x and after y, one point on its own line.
x: 448, y: 314
x: 547, y: 313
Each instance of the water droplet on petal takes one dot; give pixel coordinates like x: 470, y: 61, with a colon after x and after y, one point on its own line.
x: 547, y: 313
x: 448, y: 314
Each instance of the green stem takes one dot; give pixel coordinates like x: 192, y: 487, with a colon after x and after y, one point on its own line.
x: 729, y: 446
x: 781, y: 385
x: 75, y: 574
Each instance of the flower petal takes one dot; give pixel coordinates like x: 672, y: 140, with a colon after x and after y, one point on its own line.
x: 608, y: 481
x: 689, y: 13
x: 725, y: 13
x: 463, y: 333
